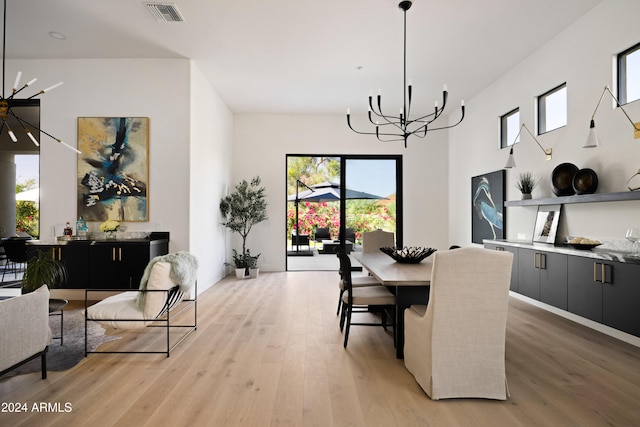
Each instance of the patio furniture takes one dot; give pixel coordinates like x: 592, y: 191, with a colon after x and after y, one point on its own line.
x: 332, y: 246
x: 299, y: 239
x: 321, y: 233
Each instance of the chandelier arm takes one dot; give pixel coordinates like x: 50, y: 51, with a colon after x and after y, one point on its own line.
x: 454, y: 125
x: 22, y: 122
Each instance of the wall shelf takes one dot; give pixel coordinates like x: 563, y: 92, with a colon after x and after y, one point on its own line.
x: 584, y: 198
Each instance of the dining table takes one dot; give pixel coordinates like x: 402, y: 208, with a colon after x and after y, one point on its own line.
x: 409, y: 282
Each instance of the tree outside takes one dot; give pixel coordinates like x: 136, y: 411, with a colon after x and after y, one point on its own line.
x: 27, y: 212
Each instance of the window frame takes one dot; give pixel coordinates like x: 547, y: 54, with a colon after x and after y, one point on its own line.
x: 621, y: 60
x: 541, y: 106
x: 504, y: 129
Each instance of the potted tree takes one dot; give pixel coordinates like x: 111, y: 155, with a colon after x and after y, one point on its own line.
x: 43, y: 269
x: 241, y: 210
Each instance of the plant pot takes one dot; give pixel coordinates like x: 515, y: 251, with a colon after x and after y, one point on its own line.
x: 253, y: 273
x: 242, y: 273
x: 526, y: 196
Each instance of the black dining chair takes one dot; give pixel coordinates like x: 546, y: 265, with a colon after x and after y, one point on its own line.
x: 15, y: 250
x: 362, y: 300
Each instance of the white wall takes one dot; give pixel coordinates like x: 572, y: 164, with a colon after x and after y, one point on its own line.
x: 210, y: 172
x: 189, y: 144
x: 261, y: 143
x: 581, y: 56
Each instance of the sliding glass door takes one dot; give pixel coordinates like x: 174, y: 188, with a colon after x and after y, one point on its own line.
x: 333, y: 200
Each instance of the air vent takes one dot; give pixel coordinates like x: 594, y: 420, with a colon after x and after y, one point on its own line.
x: 165, y: 12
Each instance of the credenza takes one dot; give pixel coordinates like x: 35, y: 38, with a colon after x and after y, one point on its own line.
x: 106, y: 263
x: 600, y: 285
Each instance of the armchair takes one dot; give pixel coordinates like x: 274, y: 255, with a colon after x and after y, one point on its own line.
x: 167, y: 289
x: 455, y: 346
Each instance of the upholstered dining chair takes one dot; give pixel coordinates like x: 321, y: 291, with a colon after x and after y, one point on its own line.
x: 455, y: 345
x: 372, y: 241
x: 362, y: 299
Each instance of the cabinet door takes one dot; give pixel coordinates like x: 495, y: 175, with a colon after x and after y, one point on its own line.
x: 112, y: 265
x: 584, y: 291
x: 621, y: 298
x: 76, y: 258
x: 553, y: 279
x: 529, y: 273
x: 514, y: 266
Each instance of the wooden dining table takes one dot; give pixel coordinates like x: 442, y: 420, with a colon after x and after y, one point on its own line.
x: 409, y: 283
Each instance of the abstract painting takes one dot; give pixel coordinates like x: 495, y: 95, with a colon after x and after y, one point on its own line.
x: 113, y: 170
x: 487, y: 206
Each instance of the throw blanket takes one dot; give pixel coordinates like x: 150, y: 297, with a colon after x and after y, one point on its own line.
x: 183, y: 270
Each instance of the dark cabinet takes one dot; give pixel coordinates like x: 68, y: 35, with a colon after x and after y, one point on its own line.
x: 100, y: 264
x: 120, y: 265
x: 584, y: 286
x: 514, y: 267
x: 543, y: 276
x: 621, y: 298
x: 600, y: 290
x: 74, y: 256
x: 606, y: 292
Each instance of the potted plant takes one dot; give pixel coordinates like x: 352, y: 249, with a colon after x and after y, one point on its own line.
x: 252, y: 263
x: 526, y: 183
x: 241, y: 210
x: 240, y: 264
x: 43, y: 269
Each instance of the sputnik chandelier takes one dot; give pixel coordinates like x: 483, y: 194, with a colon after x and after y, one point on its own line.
x: 398, y: 128
x: 6, y: 103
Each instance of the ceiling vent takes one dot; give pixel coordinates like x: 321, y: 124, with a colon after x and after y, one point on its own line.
x: 165, y: 12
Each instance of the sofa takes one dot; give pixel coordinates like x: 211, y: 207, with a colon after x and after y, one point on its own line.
x: 24, y: 330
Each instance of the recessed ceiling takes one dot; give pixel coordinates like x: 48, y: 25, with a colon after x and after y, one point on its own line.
x: 304, y: 56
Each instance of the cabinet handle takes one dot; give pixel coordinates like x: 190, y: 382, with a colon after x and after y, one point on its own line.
x: 543, y: 261
x: 119, y: 254
x: 595, y: 268
x: 113, y: 254
x: 535, y: 260
x: 604, y: 276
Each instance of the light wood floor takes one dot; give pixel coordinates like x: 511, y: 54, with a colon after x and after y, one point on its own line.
x: 269, y: 352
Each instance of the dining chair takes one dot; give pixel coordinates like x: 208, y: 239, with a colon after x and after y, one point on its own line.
x: 455, y: 345
x: 362, y: 299
x: 372, y: 241
x: 15, y: 250
x: 356, y: 282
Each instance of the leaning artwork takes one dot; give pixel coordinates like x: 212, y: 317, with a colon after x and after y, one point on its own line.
x: 113, y: 171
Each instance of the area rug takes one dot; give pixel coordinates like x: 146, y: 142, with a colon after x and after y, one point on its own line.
x: 68, y: 355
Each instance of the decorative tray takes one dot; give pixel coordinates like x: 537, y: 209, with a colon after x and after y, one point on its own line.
x: 408, y: 254
x: 583, y: 245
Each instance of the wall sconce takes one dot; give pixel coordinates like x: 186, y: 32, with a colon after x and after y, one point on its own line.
x: 511, y: 162
x: 592, y: 139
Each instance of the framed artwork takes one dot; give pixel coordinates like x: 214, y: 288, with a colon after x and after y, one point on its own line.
x: 487, y: 206
x: 547, y: 220
x: 113, y: 170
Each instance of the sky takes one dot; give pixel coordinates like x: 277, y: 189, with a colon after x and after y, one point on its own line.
x: 27, y: 166
x: 372, y: 176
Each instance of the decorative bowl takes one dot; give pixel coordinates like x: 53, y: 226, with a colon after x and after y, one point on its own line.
x: 562, y: 179
x: 408, y: 254
x: 585, y: 181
